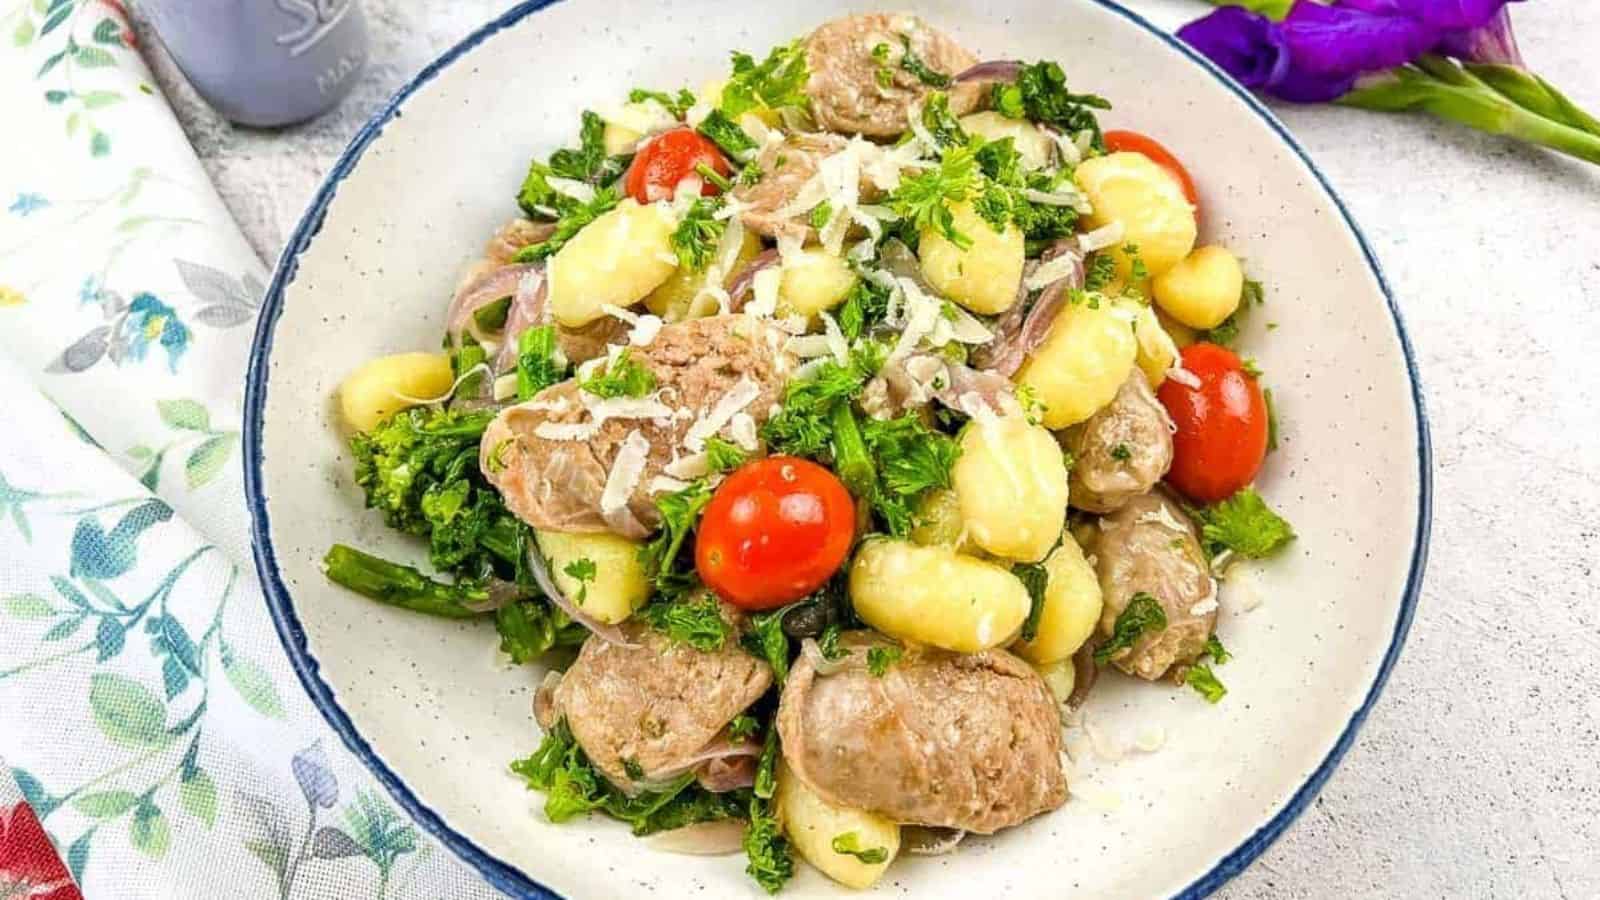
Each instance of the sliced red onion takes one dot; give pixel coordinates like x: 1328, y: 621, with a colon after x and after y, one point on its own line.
x: 1084, y: 673
x: 728, y: 774
x: 528, y: 308
x: 925, y: 840
x: 744, y: 283
x: 501, y: 593
x: 1017, y: 334
x: 544, y: 700
x: 611, y: 634
x: 819, y: 663
x: 718, y: 838
x: 911, y: 382
x: 990, y: 388
x: 480, y: 292
x: 899, y: 261
x: 991, y: 70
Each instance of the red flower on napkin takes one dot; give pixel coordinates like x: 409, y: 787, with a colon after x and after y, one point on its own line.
x: 29, y: 865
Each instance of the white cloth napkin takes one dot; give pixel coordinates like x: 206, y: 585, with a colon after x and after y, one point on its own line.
x: 147, y: 711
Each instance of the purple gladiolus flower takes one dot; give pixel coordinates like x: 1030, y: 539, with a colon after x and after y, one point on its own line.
x: 1491, y: 43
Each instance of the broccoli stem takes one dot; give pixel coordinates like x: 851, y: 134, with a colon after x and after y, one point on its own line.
x: 503, y: 538
x: 850, y: 457
x: 401, y: 586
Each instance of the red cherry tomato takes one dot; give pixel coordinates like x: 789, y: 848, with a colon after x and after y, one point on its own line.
x: 775, y: 531
x: 669, y: 158
x: 1134, y: 142
x: 1222, y: 425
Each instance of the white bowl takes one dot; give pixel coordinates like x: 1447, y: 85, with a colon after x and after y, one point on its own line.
x: 425, y: 704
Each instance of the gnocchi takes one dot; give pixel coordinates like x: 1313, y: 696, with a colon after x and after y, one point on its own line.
x: 934, y: 595
x: 984, y: 276
x: 632, y: 121
x: 1072, y: 605
x: 1011, y: 483
x: 1082, y: 363
x: 1033, y: 145
x: 813, y: 825
x: 679, y: 297
x: 1060, y: 677
x: 1156, y: 216
x: 381, y: 387
x: 615, y: 585
x: 1201, y: 290
x: 938, y: 520
x: 812, y: 281
x: 1157, y: 351
x: 616, y: 260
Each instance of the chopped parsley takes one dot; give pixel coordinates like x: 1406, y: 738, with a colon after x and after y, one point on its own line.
x: 913, y: 63
x: 743, y: 727
x: 1244, y: 524
x: 1137, y: 270
x: 1033, y: 577
x: 766, y: 640
x: 698, y: 623
x: 1100, y: 272
x: 1121, y: 453
x: 583, y: 571
x: 925, y: 198
x: 1227, y: 333
x: 671, y: 575
x: 1040, y: 94
x: 623, y: 377
x: 677, y: 105
x: 589, y: 162
x: 1200, y: 677
x: 698, y: 233
x: 884, y: 74
x: 828, y: 644
x: 864, y: 307
x: 820, y: 214
x: 802, y: 426
x: 726, y: 134
x: 881, y: 659
x: 1251, y: 367
x: 942, y: 123
x: 1216, y: 651
x: 539, y: 361
x: 1142, y: 614
x: 910, y: 459
x: 775, y: 82
x: 723, y: 456
x: 849, y: 844
x: 572, y: 218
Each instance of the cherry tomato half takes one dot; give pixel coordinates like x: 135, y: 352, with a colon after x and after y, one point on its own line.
x: 774, y: 531
x: 1134, y: 142
x: 1222, y: 425
x: 669, y: 158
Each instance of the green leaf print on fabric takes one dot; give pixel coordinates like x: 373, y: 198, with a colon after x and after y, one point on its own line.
x: 252, y: 682
x: 206, y: 450
x: 127, y: 712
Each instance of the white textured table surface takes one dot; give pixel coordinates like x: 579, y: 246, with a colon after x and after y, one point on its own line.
x: 1478, y: 773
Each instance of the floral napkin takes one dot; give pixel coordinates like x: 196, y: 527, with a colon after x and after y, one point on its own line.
x: 149, y: 720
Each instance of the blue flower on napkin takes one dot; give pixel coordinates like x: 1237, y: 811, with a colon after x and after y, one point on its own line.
x: 149, y: 321
x: 27, y: 203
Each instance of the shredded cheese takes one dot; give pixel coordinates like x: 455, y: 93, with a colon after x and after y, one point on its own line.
x: 626, y: 471
x: 577, y: 190
x: 743, y: 430
x: 764, y: 286
x: 1063, y: 266
x: 742, y: 394
x: 1107, y: 235
x: 662, y: 484
x: 692, y: 465
x: 834, y: 338
x: 645, y: 327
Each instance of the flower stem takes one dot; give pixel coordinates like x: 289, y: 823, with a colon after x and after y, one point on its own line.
x: 1531, y: 92
x: 1451, y: 93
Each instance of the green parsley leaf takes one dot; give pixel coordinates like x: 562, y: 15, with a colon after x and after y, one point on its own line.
x: 1121, y: 453
x: 723, y: 456
x: 914, y: 64
x: 803, y: 425
x: 911, y: 459
x: 680, y: 510
x: 864, y: 307
x: 828, y: 644
x: 698, y: 233
x: 526, y: 628
x: 726, y: 134
x: 1033, y: 577
x: 1227, y: 334
x: 574, y: 216
x: 1142, y: 614
x: 770, y: 862
x: 1041, y: 92
x: 583, y: 571
x: 1216, y: 651
x: 1251, y: 367
x: 1101, y: 271
x: 677, y: 105
x: 1244, y: 524
x: 1205, y: 682
x: 941, y: 122
x: 766, y: 640
x: 849, y: 844
x: 589, y: 162
x: 925, y: 198
x: 623, y: 377
x: 1137, y: 270
x: 697, y: 623
x: 775, y: 82
x: 881, y: 659
x: 743, y: 727
x: 820, y: 214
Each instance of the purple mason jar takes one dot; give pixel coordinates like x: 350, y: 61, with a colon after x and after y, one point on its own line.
x: 264, y: 62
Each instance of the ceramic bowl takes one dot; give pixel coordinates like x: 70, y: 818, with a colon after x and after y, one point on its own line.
x: 427, y: 706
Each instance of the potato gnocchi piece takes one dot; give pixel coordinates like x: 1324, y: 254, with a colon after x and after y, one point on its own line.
x: 1071, y: 610
x: 618, y: 584
x: 1157, y: 350
x: 1201, y: 290
x: 983, y: 277
x: 615, y: 260
x: 679, y: 298
x: 381, y: 387
x: 938, y: 520
x: 1082, y: 363
x: 1033, y: 145
x: 1156, y: 216
x: 813, y: 824
x: 934, y: 595
x: 812, y: 281
x: 1011, y: 482
x: 631, y: 121
x: 1060, y: 677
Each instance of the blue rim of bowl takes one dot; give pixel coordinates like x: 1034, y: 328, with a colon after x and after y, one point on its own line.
x: 510, y: 879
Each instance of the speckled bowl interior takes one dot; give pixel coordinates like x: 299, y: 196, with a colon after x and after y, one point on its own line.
x: 437, y: 717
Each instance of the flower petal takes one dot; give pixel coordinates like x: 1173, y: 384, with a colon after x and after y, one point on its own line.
x: 1491, y: 43
x: 1344, y: 41
x: 1245, y: 45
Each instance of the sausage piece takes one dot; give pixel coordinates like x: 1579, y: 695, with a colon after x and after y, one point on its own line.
x: 1150, y: 546
x: 1121, y: 451
x: 844, y: 87
x: 968, y: 741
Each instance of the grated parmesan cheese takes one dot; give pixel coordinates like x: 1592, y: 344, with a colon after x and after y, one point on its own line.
x: 645, y: 327
x: 743, y: 431
x: 741, y: 395
x: 577, y: 190
x: 764, y: 301
x: 1107, y: 235
x: 692, y: 465
x: 662, y: 484
x: 626, y: 471
x: 1054, y: 270
x: 834, y: 338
